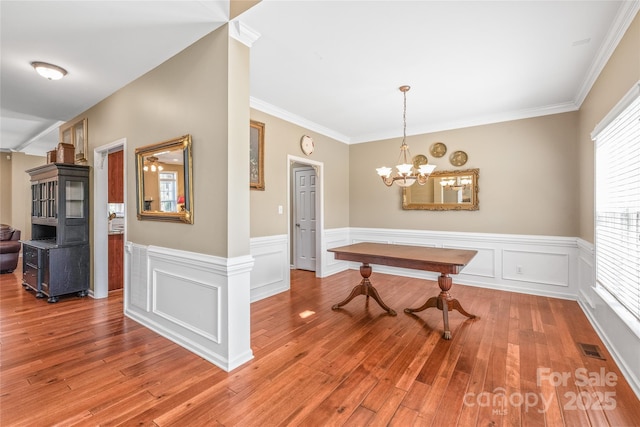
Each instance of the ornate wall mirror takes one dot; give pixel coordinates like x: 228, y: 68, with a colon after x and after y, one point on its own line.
x: 444, y: 191
x: 164, y: 181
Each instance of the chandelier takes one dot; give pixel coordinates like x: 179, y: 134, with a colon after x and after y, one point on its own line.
x: 458, y: 183
x: 407, y: 175
x: 152, y: 164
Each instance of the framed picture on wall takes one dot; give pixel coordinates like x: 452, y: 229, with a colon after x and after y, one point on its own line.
x: 80, y: 140
x: 256, y: 155
x: 75, y: 133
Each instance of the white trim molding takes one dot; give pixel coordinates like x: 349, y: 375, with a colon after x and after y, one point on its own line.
x: 243, y: 33
x: 187, y: 297
x: 538, y: 265
x: 619, y: 333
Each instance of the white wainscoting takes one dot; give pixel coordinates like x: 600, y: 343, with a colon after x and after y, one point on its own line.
x: 271, y: 272
x: 620, y: 335
x: 539, y: 265
x: 186, y: 297
x: 332, y: 239
x: 201, y: 302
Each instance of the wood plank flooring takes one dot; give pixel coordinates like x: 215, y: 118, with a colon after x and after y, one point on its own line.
x: 80, y: 362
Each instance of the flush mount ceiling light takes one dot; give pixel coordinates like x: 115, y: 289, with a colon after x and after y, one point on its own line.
x: 407, y: 175
x: 49, y: 71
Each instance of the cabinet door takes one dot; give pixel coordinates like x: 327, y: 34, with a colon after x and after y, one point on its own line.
x: 116, y: 260
x: 116, y: 177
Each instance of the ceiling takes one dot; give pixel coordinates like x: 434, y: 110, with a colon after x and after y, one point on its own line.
x: 333, y: 67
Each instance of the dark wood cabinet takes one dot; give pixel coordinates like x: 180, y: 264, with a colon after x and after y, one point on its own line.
x: 116, y: 177
x: 56, y: 260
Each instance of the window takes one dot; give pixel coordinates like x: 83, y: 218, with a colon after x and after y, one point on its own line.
x: 617, y: 206
x: 168, y: 191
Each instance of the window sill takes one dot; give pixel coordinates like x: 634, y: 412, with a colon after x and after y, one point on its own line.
x: 627, y: 318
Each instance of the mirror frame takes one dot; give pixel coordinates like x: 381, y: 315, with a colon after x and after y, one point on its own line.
x: 183, y: 143
x: 473, y: 206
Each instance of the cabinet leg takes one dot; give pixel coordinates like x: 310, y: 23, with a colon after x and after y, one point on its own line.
x: 83, y: 293
x: 39, y: 294
x: 52, y: 300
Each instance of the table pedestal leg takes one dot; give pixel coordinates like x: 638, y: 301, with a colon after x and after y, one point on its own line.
x: 365, y: 288
x: 444, y: 299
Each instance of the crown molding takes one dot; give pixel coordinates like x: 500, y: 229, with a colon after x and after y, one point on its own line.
x: 626, y: 14
x: 417, y: 130
x: 265, y: 107
x: 243, y: 33
x: 476, y: 121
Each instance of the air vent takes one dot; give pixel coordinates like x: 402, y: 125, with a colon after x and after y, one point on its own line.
x: 590, y: 350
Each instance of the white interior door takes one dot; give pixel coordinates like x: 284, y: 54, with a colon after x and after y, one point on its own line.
x: 305, y: 218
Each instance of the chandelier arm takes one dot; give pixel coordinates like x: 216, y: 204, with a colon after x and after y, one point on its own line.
x: 387, y: 181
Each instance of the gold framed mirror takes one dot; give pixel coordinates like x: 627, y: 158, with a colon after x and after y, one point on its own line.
x: 164, y: 181
x: 444, y: 191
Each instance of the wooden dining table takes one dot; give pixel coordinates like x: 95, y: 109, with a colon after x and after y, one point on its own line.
x: 442, y: 260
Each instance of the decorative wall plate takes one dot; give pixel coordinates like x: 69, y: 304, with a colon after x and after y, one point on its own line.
x: 438, y: 149
x: 306, y: 144
x: 458, y: 158
x: 419, y: 159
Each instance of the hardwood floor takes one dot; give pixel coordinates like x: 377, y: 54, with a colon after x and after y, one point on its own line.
x: 81, y: 362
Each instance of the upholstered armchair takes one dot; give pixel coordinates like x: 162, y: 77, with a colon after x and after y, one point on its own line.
x: 9, y: 248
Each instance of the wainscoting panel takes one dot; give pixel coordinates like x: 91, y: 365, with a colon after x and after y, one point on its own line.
x: 547, y: 263
x: 203, y: 319
x: 619, y: 332
x: 270, y: 274
x: 483, y: 264
x: 186, y: 297
x: 536, y: 267
x: 334, y: 238
x: 138, y: 295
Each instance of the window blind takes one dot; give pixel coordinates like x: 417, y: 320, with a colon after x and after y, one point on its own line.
x: 617, y: 206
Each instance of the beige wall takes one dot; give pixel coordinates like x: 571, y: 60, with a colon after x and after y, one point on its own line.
x: 237, y: 7
x: 527, y: 184
x: 282, y: 139
x: 237, y: 173
x: 21, y: 191
x: 536, y: 175
x: 619, y: 75
x: 5, y: 188
x: 188, y: 94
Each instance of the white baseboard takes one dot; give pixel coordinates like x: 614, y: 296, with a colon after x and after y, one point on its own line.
x: 622, y: 341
